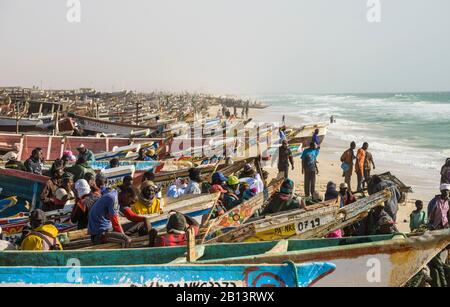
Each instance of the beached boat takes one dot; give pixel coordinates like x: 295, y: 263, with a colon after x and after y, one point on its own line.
x: 25, y: 186
x: 303, y: 135
x: 114, y: 176
x: 185, y: 275
x: 95, y: 125
x: 385, y: 260
x: 319, y: 221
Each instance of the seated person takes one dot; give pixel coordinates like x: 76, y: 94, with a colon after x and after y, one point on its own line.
x: 43, y: 236
x: 284, y: 200
x: 84, y: 201
x: 148, y: 202
x: 177, y: 227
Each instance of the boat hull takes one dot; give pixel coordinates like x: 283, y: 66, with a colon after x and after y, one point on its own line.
x: 287, y: 275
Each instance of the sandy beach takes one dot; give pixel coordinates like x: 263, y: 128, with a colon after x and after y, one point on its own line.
x: 329, y: 168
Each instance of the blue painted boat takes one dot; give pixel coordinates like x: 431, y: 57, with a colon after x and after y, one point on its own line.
x: 187, y: 275
x: 26, y: 186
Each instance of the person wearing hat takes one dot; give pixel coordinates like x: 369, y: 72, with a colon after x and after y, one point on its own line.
x: 142, y: 156
x: 80, y: 169
x: 218, y: 178
x: 67, y: 157
x: 35, y: 162
x: 231, y: 198
x: 43, y: 236
x: 252, y: 178
x: 284, y: 200
x: 47, y: 195
x: 376, y: 184
x: 147, y: 202
x: 331, y: 192
x: 439, y: 217
x: 345, y: 196
x: 139, y: 223
x: 193, y: 186
x: 12, y: 162
x: 438, y: 209
x: 84, y: 201
x: 85, y: 153
x: 177, y: 227
x: 103, y: 221
x: 378, y: 222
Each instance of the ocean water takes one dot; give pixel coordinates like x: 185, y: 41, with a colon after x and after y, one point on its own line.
x: 407, y: 130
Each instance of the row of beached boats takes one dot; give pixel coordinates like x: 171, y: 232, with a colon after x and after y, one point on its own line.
x: 238, y: 248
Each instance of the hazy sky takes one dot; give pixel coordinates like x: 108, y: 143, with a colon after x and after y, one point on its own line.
x: 227, y: 46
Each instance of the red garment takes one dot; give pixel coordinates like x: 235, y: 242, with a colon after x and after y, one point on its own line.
x: 115, y: 223
x: 173, y: 239
x: 131, y: 216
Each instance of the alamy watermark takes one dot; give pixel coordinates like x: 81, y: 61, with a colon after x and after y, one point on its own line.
x: 374, y: 11
x: 74, y: 11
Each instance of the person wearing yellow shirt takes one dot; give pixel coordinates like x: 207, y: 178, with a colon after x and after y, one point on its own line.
x: 147, y: 203
x: 43, y: 237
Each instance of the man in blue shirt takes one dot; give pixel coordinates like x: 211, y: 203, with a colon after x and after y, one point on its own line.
x: 103, y: 220
x: 316, y: 138
x: 309, y: 168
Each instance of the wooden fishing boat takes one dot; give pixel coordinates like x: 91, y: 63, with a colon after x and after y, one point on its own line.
x: 185, y: 275
x: 114, y: 176
x: 54, y: 146
x: 317, y: 222
x: 303, y: 135
x: 385, y: 260
x: 123, y: 152
x: 25, y: 186
x: 95, y: 125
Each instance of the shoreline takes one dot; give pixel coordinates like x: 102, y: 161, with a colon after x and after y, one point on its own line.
x: 329, y: 169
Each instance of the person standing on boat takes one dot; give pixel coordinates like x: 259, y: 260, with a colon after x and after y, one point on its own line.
x: 12, y: 162
x: 316, y: 138
x: 87, y: 154
x: 445, y: 172
x: 359, y: 168
x: 439, y: 217
x: 43, y: 236
x: 177, y: 228
x: 347, y: 164
x: 284, y: 200
x: 48, y: 192
x: 103, y: 221
x: 284, y: 158
x: 309, y: 168
x: 35, y: 162
x: 193, y: 186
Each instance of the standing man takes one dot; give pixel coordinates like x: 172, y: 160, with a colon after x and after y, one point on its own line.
x: 347, y: 164
x: 316, y: 138
x: 284, y: 158
x: 85, y: 153
x: 359, y: 168
x: 368, y: 165
x: 309, y: 168
x: 34, y: 163
x: 439, y: 216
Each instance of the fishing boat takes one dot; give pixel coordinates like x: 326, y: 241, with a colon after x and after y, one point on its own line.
x: 184, y: 275
x: 95, y: 125
x: 317, y: 222
x: 25, y: 186
x: 114, y: 176
x: 303, y: 135
x: 383, y: 260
